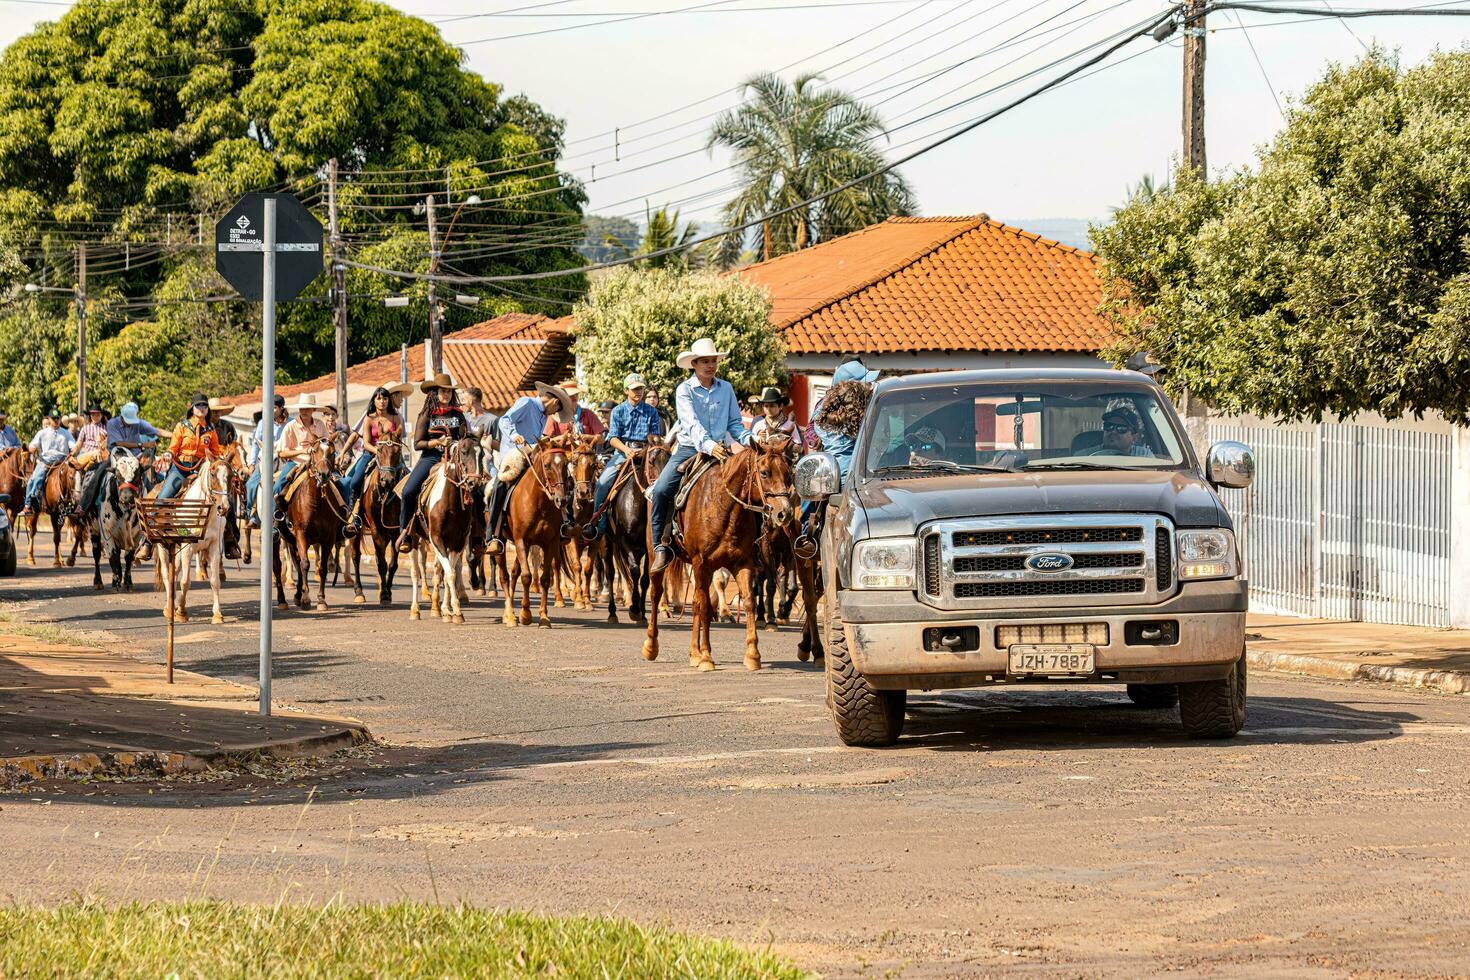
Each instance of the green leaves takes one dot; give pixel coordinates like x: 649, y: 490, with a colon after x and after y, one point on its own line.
x: 1332, y: 278
x: 640, y: 319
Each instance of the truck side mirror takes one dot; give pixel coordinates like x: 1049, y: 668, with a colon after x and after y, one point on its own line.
x: 818, y: 476
x: 1230, y: 464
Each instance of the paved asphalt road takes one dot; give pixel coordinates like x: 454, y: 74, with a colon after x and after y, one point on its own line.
x: 1063, y: 832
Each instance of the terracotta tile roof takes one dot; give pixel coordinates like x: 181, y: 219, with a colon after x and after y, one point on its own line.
x: 507, y: 346
x: 935, y: 284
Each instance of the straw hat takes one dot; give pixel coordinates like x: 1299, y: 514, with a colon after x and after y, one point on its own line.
x: 220, y: 405
x: 440, y: 380
x: 399, y: 388
x: 703, y: 347
x: 568, y: 412
x: 305, y: 400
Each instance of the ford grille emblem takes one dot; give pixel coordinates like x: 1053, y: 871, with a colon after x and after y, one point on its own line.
x: 1049, y: 563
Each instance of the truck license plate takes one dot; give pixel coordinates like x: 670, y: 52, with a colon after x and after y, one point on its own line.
x: 1052, y: 658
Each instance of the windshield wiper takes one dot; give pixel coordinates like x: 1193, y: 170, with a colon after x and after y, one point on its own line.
x: 1084, y: 466
x: 941, y: 466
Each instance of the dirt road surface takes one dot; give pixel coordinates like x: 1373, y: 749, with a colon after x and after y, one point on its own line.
x: 1061, y: 832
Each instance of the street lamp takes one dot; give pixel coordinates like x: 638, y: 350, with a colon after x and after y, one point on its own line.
x: 396, y: 300
x: 466, y: 300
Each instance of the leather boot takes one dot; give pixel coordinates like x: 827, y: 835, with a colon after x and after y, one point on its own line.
x: 499, y: 494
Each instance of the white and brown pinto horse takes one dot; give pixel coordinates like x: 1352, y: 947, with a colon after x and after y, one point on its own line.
x: 119, y: 532
x: 212, y: 486
x: 446, y: 512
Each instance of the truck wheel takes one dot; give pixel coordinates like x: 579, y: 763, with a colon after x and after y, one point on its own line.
x: 7, y: 556
x: 1214, y: 709
x: 1154, y: 695
x: 864, y: 715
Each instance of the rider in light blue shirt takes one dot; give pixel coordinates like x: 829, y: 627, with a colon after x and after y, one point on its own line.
x: 628, y: 428
x: 8, y: 438
x: 708, y: 417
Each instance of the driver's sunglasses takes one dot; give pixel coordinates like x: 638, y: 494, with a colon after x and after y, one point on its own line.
x: 1117, y: 427
x: 924, y: 447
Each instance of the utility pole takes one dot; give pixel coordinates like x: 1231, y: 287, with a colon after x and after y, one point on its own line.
x: 339, y: 288
x: 1196, y: 412
x: 436, y: 326
x: 1194, y: 86
x: 81, y: 303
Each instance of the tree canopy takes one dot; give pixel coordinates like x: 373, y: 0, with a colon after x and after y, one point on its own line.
x: 132, y: 125
x: 1334, y: 276
x: 640, y: 319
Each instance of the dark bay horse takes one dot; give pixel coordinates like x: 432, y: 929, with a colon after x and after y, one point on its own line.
x: 314, y: 517
x: 446, y: 516
x: 533, y: 520
x: 379, y: 508
x: 721, y: 523
x: 627, y: 534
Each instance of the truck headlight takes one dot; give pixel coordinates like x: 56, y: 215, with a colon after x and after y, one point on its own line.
x: 1206, y: 554
x: 883, y: 563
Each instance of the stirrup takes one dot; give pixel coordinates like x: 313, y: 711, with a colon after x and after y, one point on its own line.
x: 405, y: 543
x: 591, y: 532
x: 494, y: 546
x: 568, y: 530
x: 804, y: 547
x: 663, y: 556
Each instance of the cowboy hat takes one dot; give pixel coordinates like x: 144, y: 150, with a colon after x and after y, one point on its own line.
x: 220, y: 405
x: 703, y: 347
x: 305, y: 400
x: 572, y: 388
x: 772, y: 396
x: 440, y: 380
x: 399, y: 387
x: 567, y: 412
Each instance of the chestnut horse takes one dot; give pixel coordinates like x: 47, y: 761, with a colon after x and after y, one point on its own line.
x: 59, y: 501
x: 533, y: 520
x: 721, y: 522
x: 379, y: 508
x: 446, y: 517
x: 15, y: 469
x: 584, y: 469
x: 314, y: 517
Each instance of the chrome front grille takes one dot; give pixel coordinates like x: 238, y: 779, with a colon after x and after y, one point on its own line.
x: 982, y: 563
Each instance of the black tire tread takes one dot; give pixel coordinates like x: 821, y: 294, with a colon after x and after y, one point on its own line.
x: 1154, y: 695
x: 864, y: 715
x: 1214, y: 709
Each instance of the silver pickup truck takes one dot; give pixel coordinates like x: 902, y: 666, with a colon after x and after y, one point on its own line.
x: 1029, y: 527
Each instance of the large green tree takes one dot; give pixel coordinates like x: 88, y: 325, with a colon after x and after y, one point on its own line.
x: 132, y: 124
x: 794, y: 141
x: 1334, y: 276
x: 640, y: 319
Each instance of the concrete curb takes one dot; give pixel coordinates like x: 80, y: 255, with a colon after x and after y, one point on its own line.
x: 19, y: 770
x: 1444, y: 681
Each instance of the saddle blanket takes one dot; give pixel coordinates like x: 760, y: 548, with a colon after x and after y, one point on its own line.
x: 298, y: 476
x: 694, y: 468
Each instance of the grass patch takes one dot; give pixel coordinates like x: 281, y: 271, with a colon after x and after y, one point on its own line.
x: 217, y: 939
x: 14, y: 625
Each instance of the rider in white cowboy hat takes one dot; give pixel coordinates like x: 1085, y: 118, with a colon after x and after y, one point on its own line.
x: 708, y: 418
x: 520, y: 426
x: 298, y: 438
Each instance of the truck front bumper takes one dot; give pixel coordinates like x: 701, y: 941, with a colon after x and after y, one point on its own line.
x: 885, y: 637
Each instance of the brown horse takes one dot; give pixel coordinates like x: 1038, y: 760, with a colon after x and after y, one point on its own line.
x: 314, y: 517
x: 15, y: 469
x: 721, y: 523
x: 59, y: 501
x: 446, y: 517
x: 533, y: 519
x: 584, y: 468
x: 379, y: 508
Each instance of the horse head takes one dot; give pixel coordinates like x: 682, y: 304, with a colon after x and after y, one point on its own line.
x: 390, y: 463
x: 125, y: 467
x: 321, y: 462
x: 549, y: 463
x: 585, y: 468
x: 656, y: 455
x: 462, y: 466
x: 770, y: 469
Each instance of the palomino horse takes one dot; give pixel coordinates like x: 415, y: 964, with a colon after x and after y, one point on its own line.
x: 584, y: 467
x: 721, y: 522
x: 445, y: 517
x: 314, y: 517
x: 379, y: 508
x: 119, y: 531
x: 59, y: 502
x: 627, y: 536
x: 533, y: 519
x: 212, y: 484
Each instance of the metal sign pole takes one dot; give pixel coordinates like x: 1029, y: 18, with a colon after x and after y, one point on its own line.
x: 265, y: 495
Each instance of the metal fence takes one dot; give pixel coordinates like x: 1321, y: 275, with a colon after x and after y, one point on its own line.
x: 1345, y: 520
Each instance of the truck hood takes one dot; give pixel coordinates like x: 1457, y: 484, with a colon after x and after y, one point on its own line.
x: 898, y: 507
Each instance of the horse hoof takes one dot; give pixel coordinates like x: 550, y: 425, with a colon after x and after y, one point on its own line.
x: 458, y: 619
x: 182, y: 617
x: 545, y: 622
x: 705, y: 666
x: 71, y: 562
x: 803, y: 655
x: 650, y: 650
x: 413, y: 614
x: 216, y: 619
x: 284, y: 606
x: 753, y: 663
x: 612, y: 619
x: 385, y: 603
x: 97, y: 585
x: 359, y: 599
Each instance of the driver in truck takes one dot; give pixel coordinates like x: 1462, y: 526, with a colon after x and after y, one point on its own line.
x: 1122, y: 432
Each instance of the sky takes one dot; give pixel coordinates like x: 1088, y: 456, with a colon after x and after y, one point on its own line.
x: 639, y: 92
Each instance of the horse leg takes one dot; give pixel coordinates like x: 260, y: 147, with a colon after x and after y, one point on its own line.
x: 78, y: 532
x: 181, y: 588
x: 31, y: 537
x: 811, y: 639
x: 523, y: 558
x: 57, y: 524
x: 415, y: 572
x: 97, y: 556
x: 455, y: 569
x: 354, y: 554
x: 771, y: 583
x: 385, y: 581
x: 216, y: 574
x: 127, y: 574
x: 656, y: 589
x: 325, y: 553
x: 551, y: 571
x: 115, y: 562
x: 745, y: 578
x: 301, y: 566
x: 700, y: 614
x: 503, y: 567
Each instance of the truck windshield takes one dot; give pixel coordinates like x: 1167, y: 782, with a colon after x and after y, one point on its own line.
x: 1021, y: 427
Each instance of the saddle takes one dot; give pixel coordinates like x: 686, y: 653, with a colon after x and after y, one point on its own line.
x: 298, y: 476
x: 690, y: 472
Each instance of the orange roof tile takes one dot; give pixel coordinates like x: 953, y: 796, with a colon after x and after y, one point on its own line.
x: 935, y: 284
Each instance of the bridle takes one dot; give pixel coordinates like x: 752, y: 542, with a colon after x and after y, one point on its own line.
x: 554, y: 454
x: 462, y: 468
x: 755, y: 479
x: 582, y: 458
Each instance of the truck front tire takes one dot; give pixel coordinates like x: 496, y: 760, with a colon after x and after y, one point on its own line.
x: 1154, y: 695
x: 1214, y: 709
x: 864, y: 715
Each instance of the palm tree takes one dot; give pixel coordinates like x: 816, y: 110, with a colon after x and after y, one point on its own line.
x: 793, y: 142
x: 660, y: 231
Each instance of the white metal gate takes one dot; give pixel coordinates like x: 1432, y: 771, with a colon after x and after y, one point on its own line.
x: 1345, y: 520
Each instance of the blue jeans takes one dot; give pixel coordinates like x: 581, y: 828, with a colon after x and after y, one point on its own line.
x: 415, y: 484
x: 173, y: 482
x: 352, y: 484
x: 279, y: 487
x: 605, y: 482
x: 35, y: 483
x: 252, y: 487
x: 663, y: 492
